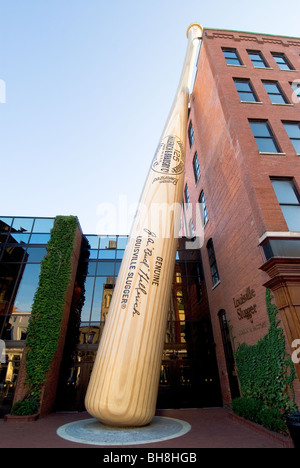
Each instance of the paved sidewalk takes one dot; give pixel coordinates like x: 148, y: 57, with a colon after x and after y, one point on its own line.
x: 210, y: 428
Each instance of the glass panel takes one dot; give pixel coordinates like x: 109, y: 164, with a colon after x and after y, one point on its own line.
x: 293, y: 130
x: 248, y: 97
x: 27, y: 289
x: 8, y: 278
x: 271, y: 87
x: 282, y: 248
x: 16, y: 327
x: 107, y: 254
x: 93, y: 241
x: 108, y: 242
x: 36, y: 254
x: 22, y: 224
x: 296, y: 144
x: 120, y: 254
x: 277, y: 99
x: 43, y: 225
x: 232, y: 61
x: 117, y: 267
x: 122, y: 242
x: 260, y: 129
x: 93, y: 254
x: 16, y: 238
x: 86, y: 308
x: 5, y: 224
x: 13, y: 254
x: 266, y: 145
x: 105, y: 268
x: 97, y: 300
x: 292, y: 217
x: 91, y: 268
x: 229, y: 53
x: 39, y: 238
x: 243, y: 86
x: 284, y: 191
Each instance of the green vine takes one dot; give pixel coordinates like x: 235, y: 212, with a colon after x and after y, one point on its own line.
x: 265, y: 370
x: 46, y: 316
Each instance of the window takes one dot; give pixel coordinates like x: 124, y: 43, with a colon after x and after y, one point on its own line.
x: 191, y: 134
x: 191, y: 229
x: 245, y: 90
x: 204, y: 208
x: 275, y: 93
x: 196, y: 168
x: 296, y: 91
x: 231, y: 57
x: 186, y: 194
x: 289, y: 199
x: 282, y: 61
x: 293, y: 131
x: 257, y: 59
x: 212, y: 262
x: 264, y: 137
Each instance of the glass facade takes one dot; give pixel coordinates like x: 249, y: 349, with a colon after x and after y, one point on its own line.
x: 22, y: 247
x: 189, y: 375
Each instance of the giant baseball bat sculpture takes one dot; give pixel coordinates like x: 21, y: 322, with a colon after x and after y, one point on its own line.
x: 124, y: 382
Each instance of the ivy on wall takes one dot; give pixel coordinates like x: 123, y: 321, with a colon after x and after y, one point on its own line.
x: 265, y: 370
x: 47, y: 310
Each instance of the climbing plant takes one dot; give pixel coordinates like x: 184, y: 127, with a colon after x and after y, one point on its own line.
x: 47, y: 310
x: 265, y: 370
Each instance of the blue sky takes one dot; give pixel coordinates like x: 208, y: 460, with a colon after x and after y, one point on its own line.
x: 89, y: 85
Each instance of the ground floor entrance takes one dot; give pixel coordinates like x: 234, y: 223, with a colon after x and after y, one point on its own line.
x: 188, y: 376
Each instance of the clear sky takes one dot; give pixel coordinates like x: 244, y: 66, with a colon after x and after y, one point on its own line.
x: 88, y: 88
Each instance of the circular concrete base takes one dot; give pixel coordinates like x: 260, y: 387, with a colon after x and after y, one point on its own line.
x: 92, y: 432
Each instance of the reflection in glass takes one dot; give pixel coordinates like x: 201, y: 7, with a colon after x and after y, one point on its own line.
x: 13, y: 254
x: 5, y: 224
x: 36, y: 254
x: 105, y: 268
x: 108, y: 242
x: 39, y: 238
x: 43, y: 225
x: 86, y: 308
x: 108, y: 254
x: 27, y: 288
x: 22, y: 224
x: 122, y: 242
x: 16, y: 238
x: 93, y: 241
x: 15, y: 327
x: 91, y: 268
x: 117, y: 267
x: 9, y: 276
x: 292, y: 217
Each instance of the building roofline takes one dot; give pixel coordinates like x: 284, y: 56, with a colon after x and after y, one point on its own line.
x: 247, y: 32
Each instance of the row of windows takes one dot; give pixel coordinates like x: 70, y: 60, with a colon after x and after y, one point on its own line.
x: 233, y: 58
x: 289, y: 200
x: 265, y: 138
x: 247, y: 92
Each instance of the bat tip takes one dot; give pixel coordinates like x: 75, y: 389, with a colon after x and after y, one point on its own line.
x: 198, y: 26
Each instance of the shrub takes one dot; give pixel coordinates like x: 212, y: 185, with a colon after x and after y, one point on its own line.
x: 26, y: 407
x: 248, y: 408
x: 272, y: 419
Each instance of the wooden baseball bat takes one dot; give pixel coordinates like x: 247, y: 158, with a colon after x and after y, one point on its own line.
x: 124, y: 382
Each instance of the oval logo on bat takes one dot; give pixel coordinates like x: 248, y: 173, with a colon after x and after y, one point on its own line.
x: 168, y: 158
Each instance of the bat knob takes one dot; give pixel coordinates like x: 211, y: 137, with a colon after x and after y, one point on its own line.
x: 197, y: 30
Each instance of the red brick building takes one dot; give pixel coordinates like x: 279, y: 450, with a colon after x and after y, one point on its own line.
x: 243, y: 162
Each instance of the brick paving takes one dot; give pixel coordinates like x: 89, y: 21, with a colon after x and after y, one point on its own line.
x: 210, y: 428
